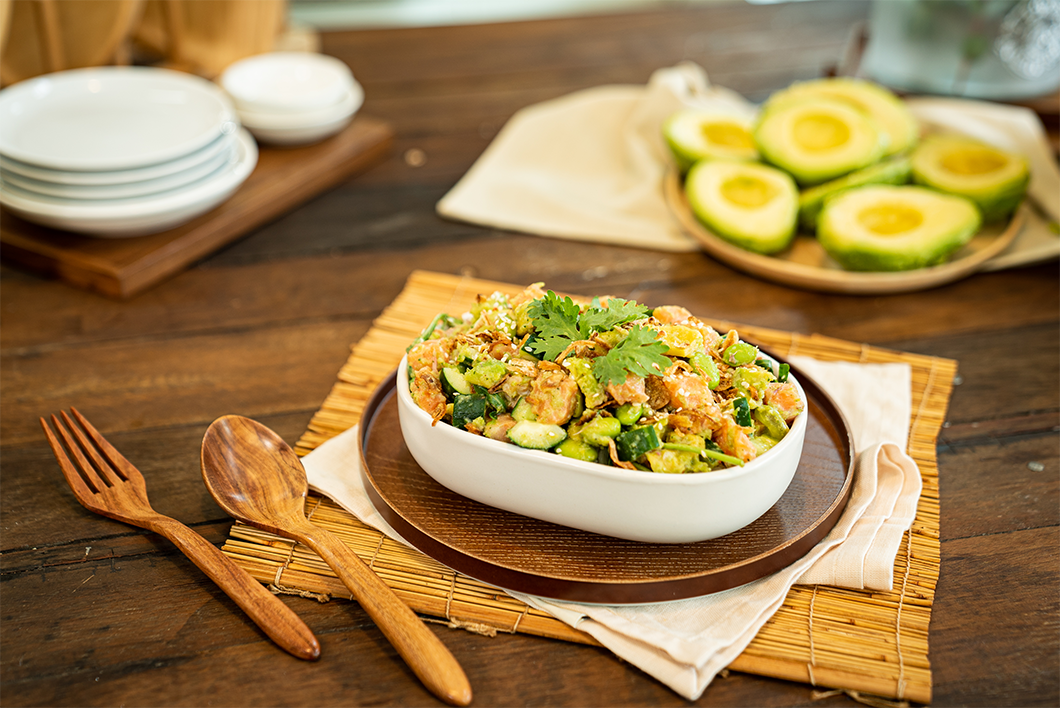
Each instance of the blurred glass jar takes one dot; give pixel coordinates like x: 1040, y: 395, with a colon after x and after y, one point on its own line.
x: 993, y: 49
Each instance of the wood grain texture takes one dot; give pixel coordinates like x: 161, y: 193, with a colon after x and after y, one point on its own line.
x: 540, y: 558
x: 96, y: 613
x: 256, y: 477
x: 105, y: 482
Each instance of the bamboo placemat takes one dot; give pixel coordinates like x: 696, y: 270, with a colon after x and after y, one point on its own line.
x: 857, y: 641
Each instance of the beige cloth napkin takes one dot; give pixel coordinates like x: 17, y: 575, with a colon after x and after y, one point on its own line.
x: 686, y: 643
x: 590, y: 165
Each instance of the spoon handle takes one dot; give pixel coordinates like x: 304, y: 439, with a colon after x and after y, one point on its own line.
x: 276, y: 619
x: 425, y: 654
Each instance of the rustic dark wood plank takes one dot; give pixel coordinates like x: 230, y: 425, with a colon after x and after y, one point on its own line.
x: 1020, y: 474
x: 40, y: 510
x: 254, y: 284
x: 153, y: 383
x: 995, y: 635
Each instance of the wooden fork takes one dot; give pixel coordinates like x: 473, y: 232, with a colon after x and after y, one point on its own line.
x: 106, y: 483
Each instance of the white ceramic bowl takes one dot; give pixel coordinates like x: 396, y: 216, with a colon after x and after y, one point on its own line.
x: 630, y: 504
x: 286, y: 81
x: 345, y: 107
x: 300, y: 136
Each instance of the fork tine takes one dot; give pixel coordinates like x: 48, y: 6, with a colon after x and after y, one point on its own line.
x: 83, y: 487
x: 101, y: 466
x: 125, y: 469
x: 90, y: 473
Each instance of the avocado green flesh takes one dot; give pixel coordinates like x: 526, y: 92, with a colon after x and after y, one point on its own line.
x: 895, y: 228
x: 893, y: 171
x: 994, y: 179
x: 750, y: 205
x: 875, y: 101
x: 818, y: 141
x: 694, y: 135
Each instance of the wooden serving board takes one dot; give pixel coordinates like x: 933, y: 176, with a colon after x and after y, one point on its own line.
x: 122, y: 267
x: 519, y: 553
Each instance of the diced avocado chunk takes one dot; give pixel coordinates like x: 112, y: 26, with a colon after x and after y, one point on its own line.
x: 537, y: 436
x: 894, y: 171
x: 885, y: 108
x: 893, y: 228
x: 773, y: 421
x: 669, y: 461
x: 693, y: 135
x: 994, y: 179
x: 818, y: 140
x: 581, y: 370
x: 486, y: 373
x: 750, y: 205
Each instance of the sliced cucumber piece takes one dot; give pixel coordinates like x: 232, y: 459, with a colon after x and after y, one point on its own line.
x: 994, y: 179
x: 890, y: 228
x: 537, y: 436
x: 695, y: 135
x: 750, y: 205
x: 818, y: 140
x: 887, y: 110
x: 633, y: 443
x: 467, y: 409
x: 453, y: 382
x: 894, y: 171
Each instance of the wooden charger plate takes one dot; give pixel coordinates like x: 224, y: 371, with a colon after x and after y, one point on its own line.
x: 805, y: 264
x: 541, y: 558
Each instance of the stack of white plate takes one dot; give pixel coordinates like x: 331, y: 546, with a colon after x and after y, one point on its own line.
x: 292, y: 98
x: 119, y: 151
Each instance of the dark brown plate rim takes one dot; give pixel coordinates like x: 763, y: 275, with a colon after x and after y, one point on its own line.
x: 694, y: 584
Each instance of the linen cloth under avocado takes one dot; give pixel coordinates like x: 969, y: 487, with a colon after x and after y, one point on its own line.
x: 684, y: 644
x: 590, y: 166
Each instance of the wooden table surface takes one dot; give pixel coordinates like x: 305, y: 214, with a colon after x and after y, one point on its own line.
x: 96, y: 613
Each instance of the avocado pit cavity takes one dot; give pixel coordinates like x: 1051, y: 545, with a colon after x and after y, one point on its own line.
x: 890, y: 219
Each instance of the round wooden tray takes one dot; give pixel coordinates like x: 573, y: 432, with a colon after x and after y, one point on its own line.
x: 540, y: 558
x: 805, y: 264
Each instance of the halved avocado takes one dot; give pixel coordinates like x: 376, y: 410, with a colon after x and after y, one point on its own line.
x: 875, y: 101
x: 751, y: 205
x: 818, y: 140
x: 695, y: 135
x: 883, y: 227
x: 994, y: 179
x: 893, y: 171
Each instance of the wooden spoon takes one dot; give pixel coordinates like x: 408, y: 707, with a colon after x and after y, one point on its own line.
x: 256, y: 478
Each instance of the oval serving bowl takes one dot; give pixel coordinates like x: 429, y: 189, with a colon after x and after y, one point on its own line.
x: 629, y: 504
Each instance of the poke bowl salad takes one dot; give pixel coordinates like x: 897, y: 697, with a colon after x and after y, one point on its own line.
x: 629, y: 396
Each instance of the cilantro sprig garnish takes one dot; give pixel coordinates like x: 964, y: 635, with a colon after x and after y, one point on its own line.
x: 640, y: 353
x: 559, y: 321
